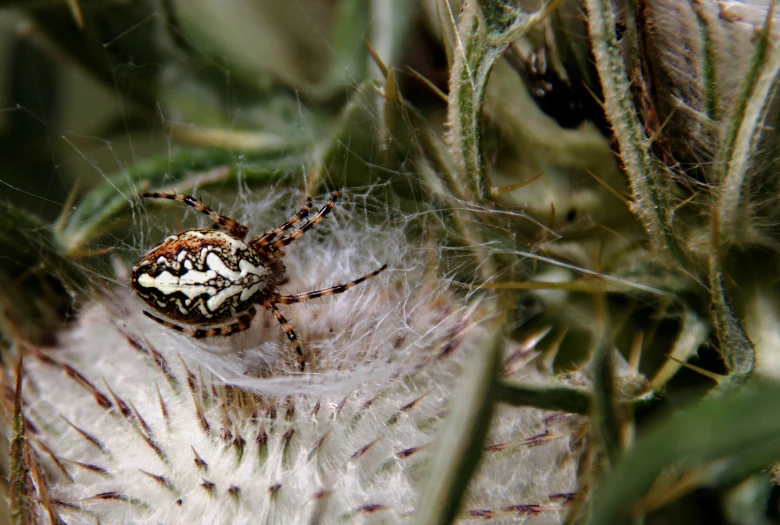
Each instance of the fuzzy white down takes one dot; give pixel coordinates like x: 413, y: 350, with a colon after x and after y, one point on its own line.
x: 376, y: 350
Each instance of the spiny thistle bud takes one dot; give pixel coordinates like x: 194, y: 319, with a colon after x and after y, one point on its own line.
x: 128, y: 421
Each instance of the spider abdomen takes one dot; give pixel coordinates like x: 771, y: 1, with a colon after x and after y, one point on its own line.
x: 201, y: 277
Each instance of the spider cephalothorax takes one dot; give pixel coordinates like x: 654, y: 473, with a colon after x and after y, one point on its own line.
x: 206, y: 277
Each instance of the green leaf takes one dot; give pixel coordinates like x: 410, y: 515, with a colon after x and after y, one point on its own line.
x: 693, y: 333
x: 351, y: 57
x: 562, y: 399
x: 651, y: 196
x: 740, y: 427
x: 736, y: 348
x: 459, y: 443
x: 608, y: 415
x: 38, y: 282
x: 709, y: 80
x: 486, y: 28
x: 180, y: 171
x: 740, y: 149
x: 20, y: 487
x: 392, y: 24
x: 123, y: 47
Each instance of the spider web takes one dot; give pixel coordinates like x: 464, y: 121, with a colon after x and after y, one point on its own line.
x: 289, y: 121
x: 227, y: 82
x: 117, y: 138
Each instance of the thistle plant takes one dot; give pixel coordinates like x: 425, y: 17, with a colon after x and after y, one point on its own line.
x: 165, y: 429
x: 574, y: 201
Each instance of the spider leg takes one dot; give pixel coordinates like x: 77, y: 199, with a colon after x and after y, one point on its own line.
x: 243, y: 323
x: 271, y: 307
x: 333, y: 290
x: 224, y: 222
x: 308, y: 225
x: 264, y: 240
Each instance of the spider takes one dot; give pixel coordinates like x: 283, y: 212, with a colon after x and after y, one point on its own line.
x: 208, y: 277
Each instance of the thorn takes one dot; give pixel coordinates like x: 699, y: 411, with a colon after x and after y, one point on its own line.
x: 706, y: 373
x: 529, y: 509
x: 202, y: 465
x: 89, y: 467
x: 239, y: 443
x: 262, y: 445
x: 45, y: 358
x: 116, y: 496
x: 433, y: 87
x: 66, y: 504
x: 149, y: 350
x: 226, y: 435
x: 370, y: 509
x: 18, y: 477
x: 208, y: 486
x: 340, y: 406
x: 495, y: 192
x: 92, y: 439
x: 163, y: 409
x: 78, y: 17
x: 204, y: 424
x: 403, y: 454
x: 410, y: 405
x: 369, y: 402
x: 62, y: 220
x: 40, y: 483
x: 163, y: 364
x: 136, y: 344
x: 154, y: 446
x: 287, y: 437
x: 270, y: 411
x: 610, y: 189
x: 140, y: 420
x: 161, y: 480
x: 378, y: 61
x: 77, y: 376
x: 123, y: 409
x: 635, y: 355
x: 190, y: 377
x: 318, y: 445
x: 322, y: 494
x: 286, y: 440
x: 564, y: 497
x: 290, y: 413
x: 530, y: 442
x: 203, y: 389
x: 54, y: 459
x: 365, y: 448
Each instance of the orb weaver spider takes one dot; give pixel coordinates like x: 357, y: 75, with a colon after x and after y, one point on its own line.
x: 209, y: 277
